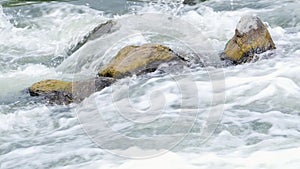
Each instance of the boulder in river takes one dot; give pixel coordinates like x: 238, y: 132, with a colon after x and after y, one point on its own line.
x: 139, y: 60
x: 251, y: 37
x: 54, y: 91
x: 63, y: 92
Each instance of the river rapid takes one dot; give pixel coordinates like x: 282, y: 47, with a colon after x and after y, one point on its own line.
x: 238, y: 117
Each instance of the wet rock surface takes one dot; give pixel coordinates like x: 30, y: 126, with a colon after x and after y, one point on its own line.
x: 251, y: 37
x: 46, y: 86
x: 62, y: 92
x: 139, y: 60
x: 55, y: 91
x: 83, y: 89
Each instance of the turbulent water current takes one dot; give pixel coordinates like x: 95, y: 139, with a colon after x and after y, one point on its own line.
x: 237, y: 117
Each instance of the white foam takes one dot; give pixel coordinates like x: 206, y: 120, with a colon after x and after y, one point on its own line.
x: 25, y: 77
x: 22, y: 119
x: 247, y: 23
x: 268, y: 159
x: 4, y: 23
x: 49, y: 34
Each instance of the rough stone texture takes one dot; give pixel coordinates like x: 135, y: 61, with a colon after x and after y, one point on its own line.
x: 83, y: 89
x: 251, y: 37
x: 47, y: 86
x: 138, y: 60
x: 62, y: 92
x: 55, y: 91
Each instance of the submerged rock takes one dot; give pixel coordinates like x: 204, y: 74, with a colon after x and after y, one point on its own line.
x: 138, y: 60
x: 192, y: 2
x: 189, y: 2
x: 251, y: 37
x: 98, y: 31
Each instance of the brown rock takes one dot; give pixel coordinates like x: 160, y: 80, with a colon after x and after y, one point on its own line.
x: 62, y: 92
x: 55, y: 91
x: 138, y: 60
x: 83, y: 89
x: 251, y: 37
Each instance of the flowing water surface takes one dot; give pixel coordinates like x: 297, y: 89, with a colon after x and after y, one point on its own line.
x: 244, y: 116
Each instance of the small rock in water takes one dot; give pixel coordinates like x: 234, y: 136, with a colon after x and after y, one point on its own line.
x: 189, y: 2
x: 54, y: 91
x: 139, y: 60
x: 47, y: 86
x: 251, y: 37
x: 62, y: 92
x: 192, y: 2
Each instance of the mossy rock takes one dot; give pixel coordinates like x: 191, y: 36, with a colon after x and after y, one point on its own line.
x: 46, y: 86
x: 62, y: 92
x: 53, y: 91
x: 138, y: 60
x: 251, y: 37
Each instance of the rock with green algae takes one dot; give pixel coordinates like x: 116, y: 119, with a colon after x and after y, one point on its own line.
x: 62, y: 92
x: 139, y: 60
x: 54, y: 91
x: 251, y: 37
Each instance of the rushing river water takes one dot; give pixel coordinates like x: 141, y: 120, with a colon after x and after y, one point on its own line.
x: 240, y: 117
